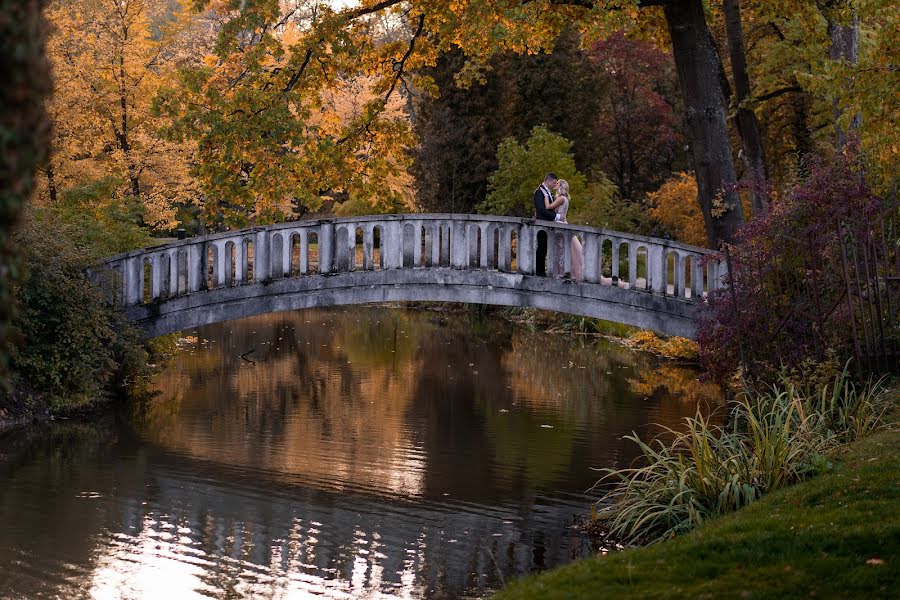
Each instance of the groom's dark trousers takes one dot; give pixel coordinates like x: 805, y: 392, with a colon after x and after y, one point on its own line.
x: 541, y: 214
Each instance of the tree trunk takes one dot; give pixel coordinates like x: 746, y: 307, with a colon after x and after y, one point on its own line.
x: 748, y: 124
x: 698, y: 74
x: 844, y: 46
x: 51, y: 183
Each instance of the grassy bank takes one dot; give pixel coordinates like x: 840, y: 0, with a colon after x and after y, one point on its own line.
x: 834, y: 536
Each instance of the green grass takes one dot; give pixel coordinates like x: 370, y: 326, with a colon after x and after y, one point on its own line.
x: 834, y: 536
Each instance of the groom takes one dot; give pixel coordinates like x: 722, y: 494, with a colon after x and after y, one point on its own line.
x: 551, y: 182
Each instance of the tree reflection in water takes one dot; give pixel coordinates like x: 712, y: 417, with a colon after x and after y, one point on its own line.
x: 364, y: 451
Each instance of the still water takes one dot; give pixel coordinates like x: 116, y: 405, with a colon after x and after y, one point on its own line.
x: 346, y: 453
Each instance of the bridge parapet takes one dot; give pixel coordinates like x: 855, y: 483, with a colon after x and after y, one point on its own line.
x: 413, y: 242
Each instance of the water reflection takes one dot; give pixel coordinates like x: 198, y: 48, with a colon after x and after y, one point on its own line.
x: 357, y: 452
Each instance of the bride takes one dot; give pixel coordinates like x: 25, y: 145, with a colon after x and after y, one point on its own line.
x: 561, y: 206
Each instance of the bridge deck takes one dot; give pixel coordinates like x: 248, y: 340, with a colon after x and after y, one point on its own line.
x: 456, y: 258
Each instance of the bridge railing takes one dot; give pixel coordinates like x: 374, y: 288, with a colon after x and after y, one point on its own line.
x: 409, y: 241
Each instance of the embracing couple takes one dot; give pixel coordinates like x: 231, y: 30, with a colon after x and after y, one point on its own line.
x: 548, y: 208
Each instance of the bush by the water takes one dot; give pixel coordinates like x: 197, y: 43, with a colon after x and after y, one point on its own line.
x: 779, y: 437
x: 70, y: 347
x: 789, y: 302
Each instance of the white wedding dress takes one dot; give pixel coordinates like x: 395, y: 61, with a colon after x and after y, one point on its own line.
x: 559, y: 266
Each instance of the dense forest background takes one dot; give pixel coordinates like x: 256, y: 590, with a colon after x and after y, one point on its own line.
x: 207, y: 115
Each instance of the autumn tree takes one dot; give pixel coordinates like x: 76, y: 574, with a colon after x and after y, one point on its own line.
x: 638, y: 130
x: 109, y: 57
x: 248, y: 109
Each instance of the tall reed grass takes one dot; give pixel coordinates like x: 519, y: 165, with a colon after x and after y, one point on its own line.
x: 780, y: 436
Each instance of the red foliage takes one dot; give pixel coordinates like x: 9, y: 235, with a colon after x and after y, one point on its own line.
x: 637, y: 122
x: 788, y: 302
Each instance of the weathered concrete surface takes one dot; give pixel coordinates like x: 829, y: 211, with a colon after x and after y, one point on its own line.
x: 665, y: 315
x: 395, y: 258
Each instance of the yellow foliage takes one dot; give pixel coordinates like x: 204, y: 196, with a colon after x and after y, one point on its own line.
x: 675, y: 206
x: 108, y: 60
x: 674, y: 347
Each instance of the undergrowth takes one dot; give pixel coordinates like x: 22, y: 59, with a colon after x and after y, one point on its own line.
x: 779, y: 436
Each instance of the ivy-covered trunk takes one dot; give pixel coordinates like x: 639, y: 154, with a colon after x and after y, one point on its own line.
x: 698, y: 74
x: 24, y: 131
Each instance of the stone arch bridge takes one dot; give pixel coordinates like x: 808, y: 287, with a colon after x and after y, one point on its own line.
x: 646, y: 282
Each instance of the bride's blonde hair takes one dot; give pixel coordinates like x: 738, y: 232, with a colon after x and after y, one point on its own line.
x: 563, y: 189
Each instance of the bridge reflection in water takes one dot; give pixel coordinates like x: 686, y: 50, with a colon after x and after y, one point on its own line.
x: 646, y: 282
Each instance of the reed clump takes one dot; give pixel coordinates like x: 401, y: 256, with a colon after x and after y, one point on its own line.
x: 778, y: 437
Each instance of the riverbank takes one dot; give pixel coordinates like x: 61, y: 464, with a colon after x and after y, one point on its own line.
x: 836, y: 535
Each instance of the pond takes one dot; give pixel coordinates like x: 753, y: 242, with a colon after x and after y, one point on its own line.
x: 360, y: 452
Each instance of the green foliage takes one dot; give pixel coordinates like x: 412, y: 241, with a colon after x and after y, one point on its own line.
x: 72, y: 348
x: 706, y: 471
x: 832, y: 536
x: 601, y: 207
x: 96, y: 220
x: 522, y: 168
x: 24, y: 134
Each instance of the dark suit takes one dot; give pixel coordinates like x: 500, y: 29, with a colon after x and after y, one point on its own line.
x: 542, y: 214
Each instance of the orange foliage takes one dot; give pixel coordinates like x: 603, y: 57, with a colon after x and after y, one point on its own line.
x: 674, y: 205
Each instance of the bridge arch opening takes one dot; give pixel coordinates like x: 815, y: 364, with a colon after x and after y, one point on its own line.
x: 248, y: 247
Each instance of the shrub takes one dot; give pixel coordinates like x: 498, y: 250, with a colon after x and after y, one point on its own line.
x: 522, y: 168
x: 71, y: 347
x: 780, y: 438
x: 788, y: 302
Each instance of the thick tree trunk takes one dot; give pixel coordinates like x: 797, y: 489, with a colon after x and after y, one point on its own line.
x: 748, y: 124
x: 844, y: 46
x: 698, y: 74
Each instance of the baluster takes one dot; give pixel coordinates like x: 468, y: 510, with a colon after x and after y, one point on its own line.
x: 196, y: 267
x: 287, y: 250
x: 458, y: 244
x: 504, y: 256
x: 134, y: 281
x: 679, y: 275
x: 417, y: 241
x: 567, y: 251
x: 435, y: 232
x: 326, y: 247
x: 592, y: 263
x: 261, y: 260
x: 368, y: 247
x: 526, y: 241
x: 614, y: 248
x: 696, y: 277
x: 656, y: 268
x: 392, y: 245
x: 155, y: 277
x: 351, y: 247
x: 173, y: 273
x: 632, y: 264
x: 239, y: 261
